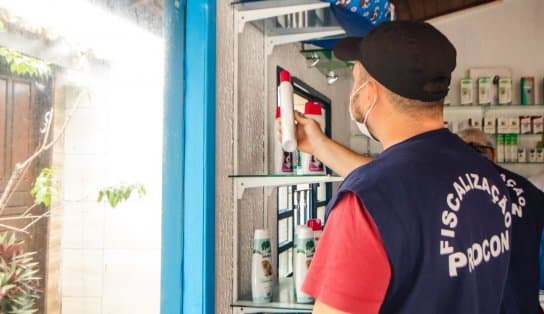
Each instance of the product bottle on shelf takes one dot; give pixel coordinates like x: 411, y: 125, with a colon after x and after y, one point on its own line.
x: 500, y: 148
x: 285, y: 92
x: 262, y: 279
x: 514, y: 148
x: 310, y: 164
x: 304, y: 252
x: 317, y: 228
x: 283, y: 161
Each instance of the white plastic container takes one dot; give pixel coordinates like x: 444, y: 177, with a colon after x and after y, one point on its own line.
x: 310, y: 164
x: 466, y: 91
x: 304, y: 252
x: 285, y: 92
x: 261, y: 268
x: 283, y: 161
x: 513, y: 148
x: 500, y: 148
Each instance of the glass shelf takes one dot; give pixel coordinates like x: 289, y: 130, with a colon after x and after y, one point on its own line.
x: 494, y: 107
x: 521, y: 163
x: 283, y: 301
x: 247, y: 181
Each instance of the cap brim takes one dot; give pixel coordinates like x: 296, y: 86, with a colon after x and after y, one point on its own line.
x: 348, y: 49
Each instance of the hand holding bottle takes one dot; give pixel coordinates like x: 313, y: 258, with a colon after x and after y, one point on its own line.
x: 308, y: 133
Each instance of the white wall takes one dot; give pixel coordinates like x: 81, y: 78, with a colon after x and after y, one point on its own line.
x: 509, y: 33
x: 111, y: 257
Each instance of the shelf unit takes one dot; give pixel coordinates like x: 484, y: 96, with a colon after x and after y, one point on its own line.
x: 244, y: 181
x: 283, y: 296
x: 456, y: 113
x: 495, y: 107
x: 254, y: 11
x: 266, y: 15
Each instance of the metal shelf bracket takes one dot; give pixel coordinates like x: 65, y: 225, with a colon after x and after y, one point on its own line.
x: 288, y: 36
x: 259, y: 10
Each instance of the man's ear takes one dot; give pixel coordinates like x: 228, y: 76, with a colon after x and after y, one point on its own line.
x: 373, y: 92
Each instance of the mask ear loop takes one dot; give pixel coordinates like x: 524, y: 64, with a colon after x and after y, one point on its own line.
x: 365, y: 119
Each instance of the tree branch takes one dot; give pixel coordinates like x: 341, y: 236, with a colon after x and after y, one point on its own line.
x: 20, y: 167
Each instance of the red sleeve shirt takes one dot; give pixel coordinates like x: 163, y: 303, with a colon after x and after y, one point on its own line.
x: 350, y: 270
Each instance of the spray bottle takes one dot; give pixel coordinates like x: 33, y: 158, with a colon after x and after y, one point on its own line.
x: 285, y: 92
x: 309, y: 163
x: 261, y: 268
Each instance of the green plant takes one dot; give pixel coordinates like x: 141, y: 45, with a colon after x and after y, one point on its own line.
x: 23, y: 65
x: 120, y: 193
x: 18, y: 281
x: 43, y: 188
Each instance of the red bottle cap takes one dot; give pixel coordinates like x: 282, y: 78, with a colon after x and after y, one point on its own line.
x: 315, y: 224
x: 312, y: 107
x: 278, y: 112
x: 285, y: 76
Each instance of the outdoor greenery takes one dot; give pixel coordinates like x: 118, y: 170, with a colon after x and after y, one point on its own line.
x: 18, y: 277
x: 120, y: 193
x: 23, y: 65
x: 43, y: 188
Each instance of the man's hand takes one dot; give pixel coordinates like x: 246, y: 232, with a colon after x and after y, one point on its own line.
x: 312, y: 140
x: 308, y: 132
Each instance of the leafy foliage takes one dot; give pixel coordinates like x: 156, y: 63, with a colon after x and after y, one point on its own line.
x: 23, y: 65
x: 120, y: 193
x: 43, y: 188
x: 18, y: 281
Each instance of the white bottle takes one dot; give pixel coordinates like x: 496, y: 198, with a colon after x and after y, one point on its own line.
x: 310, y: 164
x: 513, y: 148
x: 285, y: 91
x: 261, y: 268
x: 304, y: 252
x: 500, y: 148
x: 283, y: 161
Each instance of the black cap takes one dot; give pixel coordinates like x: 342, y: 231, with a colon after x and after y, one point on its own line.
x: 412, y: 59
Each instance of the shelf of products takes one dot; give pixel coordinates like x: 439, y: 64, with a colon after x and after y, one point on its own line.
x: 494, y: 107
x: 243, y: 181
x: 522, y: 163
x: 284, y: 301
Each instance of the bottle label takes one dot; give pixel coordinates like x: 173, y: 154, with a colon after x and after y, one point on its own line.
x: 304, y: 250
x: 263, y: 272
x: 287, y: 162
x: 315, y: 165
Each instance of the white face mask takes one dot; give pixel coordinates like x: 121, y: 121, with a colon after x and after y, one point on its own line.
x: 362, y: 126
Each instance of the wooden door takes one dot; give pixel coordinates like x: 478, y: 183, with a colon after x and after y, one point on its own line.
x: 18, y: 138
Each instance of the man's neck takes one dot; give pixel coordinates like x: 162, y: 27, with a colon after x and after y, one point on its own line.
x: 400, y: 131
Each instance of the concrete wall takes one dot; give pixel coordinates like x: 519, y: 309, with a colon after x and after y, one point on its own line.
x: 256, y: 100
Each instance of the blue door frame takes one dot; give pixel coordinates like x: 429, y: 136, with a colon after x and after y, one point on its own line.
x: 188, y: 218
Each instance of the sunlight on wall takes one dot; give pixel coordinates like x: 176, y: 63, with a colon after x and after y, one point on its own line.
x: 109, y: 256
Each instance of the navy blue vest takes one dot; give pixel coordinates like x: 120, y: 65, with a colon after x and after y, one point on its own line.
x: 444, y: 215
x: 521, y: 294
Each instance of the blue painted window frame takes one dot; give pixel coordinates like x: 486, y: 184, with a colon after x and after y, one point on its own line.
x: 188, y: 218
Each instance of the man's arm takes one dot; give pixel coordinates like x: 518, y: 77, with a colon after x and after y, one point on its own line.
x: 311, y: 140
x: 322, y: 308
x: 339, y: 158
x: 350, y: 271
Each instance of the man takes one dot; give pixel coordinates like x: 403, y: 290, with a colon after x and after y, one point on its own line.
x: 405, y: 232
x: 522, y: 290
